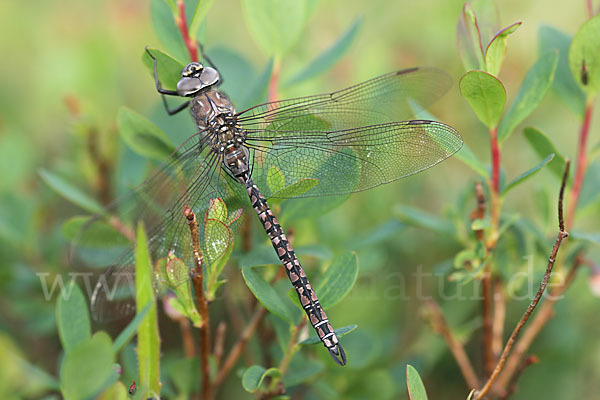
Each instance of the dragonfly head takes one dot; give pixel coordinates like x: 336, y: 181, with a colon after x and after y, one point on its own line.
x: 195, y: 77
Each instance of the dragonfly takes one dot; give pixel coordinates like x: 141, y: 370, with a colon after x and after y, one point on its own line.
x: 322, y: 145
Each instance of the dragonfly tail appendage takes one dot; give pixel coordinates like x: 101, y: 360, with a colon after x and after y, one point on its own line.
x: 338, y: 354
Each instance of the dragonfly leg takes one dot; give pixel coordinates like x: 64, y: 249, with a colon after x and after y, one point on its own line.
x: 212, y: 64
x: 165, y: 92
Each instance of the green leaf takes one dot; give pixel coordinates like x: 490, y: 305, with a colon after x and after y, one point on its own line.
x: 329, y: 57
x: 592, y: 237
x: 127, y: 334
x: 268, y: 297
x: 416, y: 390
x: 87, y: 367
x: 584, y: 57
x: 214, y: 270
x: 257, y: 91
x: 416, y: 217
x: 470, y: 49
x: 117, y: 391
x: 162, y: 14
x: 338, y: 280
x: 533, y: 89
x: 72, y: 318
x: 201, y: 10
x: 255, y: 375
x: 70, y: 192
x: 496, y: 50
x: 542, y: 145
x: 184, y: 374
x: 167, y: 68
x: 343, y: 331
x: 527, y: 174
x: 276, y: 25
x: 275, y: 179
x: 295, y: 189
x: 470, y: 160
x: 485, y: 94
x: 302, y: 369
x: 590, y: 192
x: 97, y: 233
x: 143, y: 136
x: 565, y: 86
x: 148, y: 345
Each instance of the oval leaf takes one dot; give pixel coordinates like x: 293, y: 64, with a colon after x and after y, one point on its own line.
x: 584, y: 57
x: 268, y: 297
x: 72, y: 318
x: 254, y: 376
x: 543, y: 146
x: 496, y: 50
x: 329, y: 57
x: 527, y: 174
x: 70, y: 192
x: 468, y: 38
x: 470, y: 160
x: 95, y: 233
x: 167, y: 68
x: 338, y: 280
x: 565, y: 86
x: 416, y: 217
x: 163, y: 14
x: 276, y: 25
x: 143, y: 136
x: 533, y: 89
x: 87, y: 367
x: 485, y: 94
x: 201, y: 9
x: 416, y: 390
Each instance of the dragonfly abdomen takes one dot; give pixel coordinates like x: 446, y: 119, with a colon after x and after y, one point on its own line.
x: 295, y: 272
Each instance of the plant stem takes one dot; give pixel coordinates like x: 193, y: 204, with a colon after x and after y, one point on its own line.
x: 494, y: 187
x: 291, y: 350
x: 181, y: 22
x: 486, y: 305
x: 189, y: 348
x: 201, y: 303
x: 581, y: 163
x: 499, y: 317
x: 545, y: 313
x: 238, y: 347
x: 531, y: 359
x: 440, y: 326
x: 562, y: 234
x: 274, y: 82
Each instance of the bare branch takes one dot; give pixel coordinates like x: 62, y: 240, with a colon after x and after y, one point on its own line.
x: 562, y: 234
x: 440, y: 326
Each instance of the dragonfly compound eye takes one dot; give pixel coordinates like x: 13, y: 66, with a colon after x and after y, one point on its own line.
x: 192, y: 70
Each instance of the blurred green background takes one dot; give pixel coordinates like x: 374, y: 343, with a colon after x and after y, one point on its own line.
x: 68, y: 66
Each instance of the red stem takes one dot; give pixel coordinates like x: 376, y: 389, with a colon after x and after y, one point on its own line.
x: 274, y: 82
x: 495, y: 181
x: 181, y: 22
x: 581, y: 163
x: 590, y: 8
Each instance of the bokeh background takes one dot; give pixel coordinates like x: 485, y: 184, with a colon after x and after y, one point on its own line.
x: 68, y: 66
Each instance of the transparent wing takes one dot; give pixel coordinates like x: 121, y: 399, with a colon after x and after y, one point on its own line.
x: 350, y: 160
x: 191, y: 177
x: 388, y: 98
